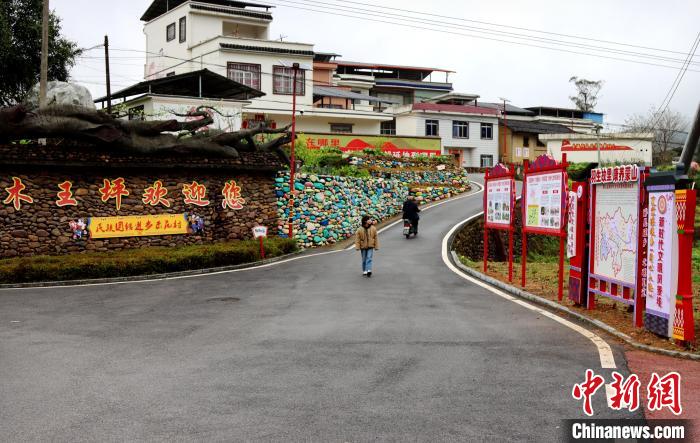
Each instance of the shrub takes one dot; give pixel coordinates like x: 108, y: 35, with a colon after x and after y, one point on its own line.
x: 143, y: 261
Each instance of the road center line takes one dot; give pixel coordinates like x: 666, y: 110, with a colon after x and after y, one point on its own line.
x: 607, y: 360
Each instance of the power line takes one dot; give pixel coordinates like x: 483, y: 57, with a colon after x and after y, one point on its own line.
x: 383, y: 14
x: 478, y: 36
x: 423, y: 13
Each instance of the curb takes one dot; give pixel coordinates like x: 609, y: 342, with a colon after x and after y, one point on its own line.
x: 146, y: 277
x: 557, y: 307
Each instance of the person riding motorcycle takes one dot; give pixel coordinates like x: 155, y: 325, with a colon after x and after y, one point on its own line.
x: 410, y: 212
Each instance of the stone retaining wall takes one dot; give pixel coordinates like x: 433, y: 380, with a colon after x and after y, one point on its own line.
x: 43, y: 227
x: 328, y: 209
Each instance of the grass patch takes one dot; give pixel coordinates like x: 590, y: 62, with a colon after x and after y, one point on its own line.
x: 143, y: 261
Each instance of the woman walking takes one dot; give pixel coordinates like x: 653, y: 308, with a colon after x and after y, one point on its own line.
x: 367, y: 241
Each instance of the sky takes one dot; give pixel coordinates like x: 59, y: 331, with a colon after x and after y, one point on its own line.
x: 527, y: 76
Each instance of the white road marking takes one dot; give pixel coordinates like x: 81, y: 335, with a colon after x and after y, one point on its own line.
x: 607, y: 360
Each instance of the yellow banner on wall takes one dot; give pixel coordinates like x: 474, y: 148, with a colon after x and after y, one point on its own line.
x: 137, y: 225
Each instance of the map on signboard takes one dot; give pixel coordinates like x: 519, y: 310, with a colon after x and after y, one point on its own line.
x: 615, y: 224
x: 544, y: 201
x: 498, y: 200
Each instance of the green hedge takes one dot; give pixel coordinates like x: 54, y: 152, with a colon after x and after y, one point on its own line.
x: 143, y: 261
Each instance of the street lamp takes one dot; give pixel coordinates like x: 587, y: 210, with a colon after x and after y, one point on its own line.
x: 597, y: 141
x: 505, y: 129
x: 296, y: 67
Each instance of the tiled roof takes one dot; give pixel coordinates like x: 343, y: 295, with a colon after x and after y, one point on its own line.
x: 459, y: 109
x: 536, y: 127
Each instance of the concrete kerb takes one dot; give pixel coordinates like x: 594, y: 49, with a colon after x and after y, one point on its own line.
x: 557, y: 307
x: 147, y: 277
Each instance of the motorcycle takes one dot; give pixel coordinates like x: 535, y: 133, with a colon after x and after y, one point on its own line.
x: 409, y: 228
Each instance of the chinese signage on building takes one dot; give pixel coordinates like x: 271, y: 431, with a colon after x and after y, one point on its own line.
x: 397, y: 146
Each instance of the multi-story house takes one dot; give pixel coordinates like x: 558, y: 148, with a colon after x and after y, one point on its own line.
x: 468, y: 131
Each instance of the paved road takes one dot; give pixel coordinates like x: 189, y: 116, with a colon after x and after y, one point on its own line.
x: 311, y: 351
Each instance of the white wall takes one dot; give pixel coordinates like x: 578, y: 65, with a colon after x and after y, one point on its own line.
x: 641, y: 148
x: 163, y: 108
x: 474, y: 146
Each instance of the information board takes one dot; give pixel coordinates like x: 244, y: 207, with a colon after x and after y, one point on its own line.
x: 571, y: 225
x: 498, y: 201
x: 616, y: 223
x: 544, y: 201
x: 660, y: 284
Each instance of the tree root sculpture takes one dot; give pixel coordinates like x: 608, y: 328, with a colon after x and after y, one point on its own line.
x: 138, y: 136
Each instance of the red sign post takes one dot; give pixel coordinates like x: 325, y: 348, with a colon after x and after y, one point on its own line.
x: 576, y: 247
x: 499, y: 201
x: 260, y: 232
x: 545, y: 185
x: 684, y: 323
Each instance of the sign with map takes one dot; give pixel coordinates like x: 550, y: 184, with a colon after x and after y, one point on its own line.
x: 544, y: 201
x: 615, y: 221
x: 498, y: 201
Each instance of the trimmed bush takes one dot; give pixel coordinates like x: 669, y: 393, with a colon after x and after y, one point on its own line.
x: 144, y: 261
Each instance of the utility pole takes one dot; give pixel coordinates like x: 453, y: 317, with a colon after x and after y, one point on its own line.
x: 505, y: 129
x: 109, y: 88
x: 43, y: 75
x: 597, y: 141
x: 292, y: 166
x: 692, y: 142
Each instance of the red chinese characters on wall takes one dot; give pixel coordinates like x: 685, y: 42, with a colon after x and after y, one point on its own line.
x: 232, y: 196
x: 65, y: 195
x: 195, y: 194
x: 155, y: 195
x: 115, y: 189
x: 15, y: 197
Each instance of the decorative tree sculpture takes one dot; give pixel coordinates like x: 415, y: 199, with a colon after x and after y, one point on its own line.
x: 139, y: 136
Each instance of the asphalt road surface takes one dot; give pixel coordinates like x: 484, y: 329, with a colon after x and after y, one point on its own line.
x: 304, y: 350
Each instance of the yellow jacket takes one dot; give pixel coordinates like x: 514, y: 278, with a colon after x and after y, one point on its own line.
x: 366, y: 238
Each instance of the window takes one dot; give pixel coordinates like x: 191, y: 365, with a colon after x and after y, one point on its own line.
x: 245, y: 74
x: 526, y: 141
x: 345, y: 128
x: 388, y: 128
x: 526, y: 152
x: 183, y: 29
x: 487, y: 161
x: 170, y: 32
x: 282, y: 79
x: 487, y: 131
x: 460, y: 129
x: 136, y: 113
x: 431, y: 128
x: 518, y: 152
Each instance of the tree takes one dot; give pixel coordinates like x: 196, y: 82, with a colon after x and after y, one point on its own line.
x: 668, y: 127
x: 586, y: 93
x: 20, y: 49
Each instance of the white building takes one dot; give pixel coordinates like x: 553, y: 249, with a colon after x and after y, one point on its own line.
x: 232, y: 38
x: 468, y: 132
x: 614, y: 147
